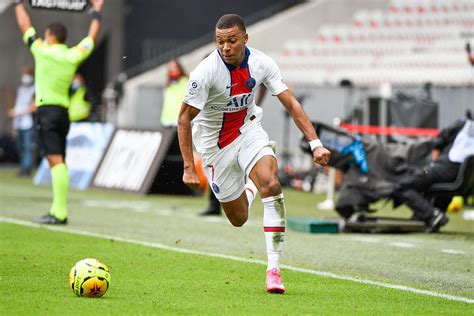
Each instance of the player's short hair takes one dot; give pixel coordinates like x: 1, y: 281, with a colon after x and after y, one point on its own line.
x: 28, y: 70
x: 228, y: 21
x: 59, y: 31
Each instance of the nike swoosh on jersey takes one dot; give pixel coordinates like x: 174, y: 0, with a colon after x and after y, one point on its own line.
x: 230, y: 86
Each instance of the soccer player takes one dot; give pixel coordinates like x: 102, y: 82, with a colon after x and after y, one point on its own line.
x: 227, y: 132
x: 56, y: 65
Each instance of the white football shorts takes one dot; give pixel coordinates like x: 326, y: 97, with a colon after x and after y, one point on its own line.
x: 226, y: 169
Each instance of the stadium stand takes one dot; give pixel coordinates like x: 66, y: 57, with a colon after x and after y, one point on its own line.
x: 356, y: 44
x: 410, y: 42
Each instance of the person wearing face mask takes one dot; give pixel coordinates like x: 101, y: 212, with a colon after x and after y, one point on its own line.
x: 81, y: 103
x: 174, y: 93
x: 23, y: 124
x: 55, y: 66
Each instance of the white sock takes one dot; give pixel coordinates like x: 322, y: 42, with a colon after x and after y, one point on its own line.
x: 250, y: 191
x: 274, y: 215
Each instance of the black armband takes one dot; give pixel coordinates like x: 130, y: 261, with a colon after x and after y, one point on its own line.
x: 31, y: 40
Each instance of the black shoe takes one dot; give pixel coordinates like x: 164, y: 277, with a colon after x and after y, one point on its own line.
x: 436, y: 221
x: 211, y: 212
x: 50, y: 220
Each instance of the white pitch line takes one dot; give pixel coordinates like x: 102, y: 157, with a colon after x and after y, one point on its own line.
x: 240, y: 259
x: 402, y: 244
x: 366, y: 239
x: 453, y: 251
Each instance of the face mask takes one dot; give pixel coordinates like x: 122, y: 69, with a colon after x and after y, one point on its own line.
x: 174, y: 75
x: 26, y: 79
x: 75, y: 85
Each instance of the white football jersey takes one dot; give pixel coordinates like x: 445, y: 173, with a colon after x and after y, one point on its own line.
x: 225, y: 95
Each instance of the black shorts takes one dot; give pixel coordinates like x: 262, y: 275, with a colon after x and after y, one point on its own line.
x: 53, y: 126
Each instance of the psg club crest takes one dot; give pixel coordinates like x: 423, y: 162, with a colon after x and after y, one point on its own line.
x: 215, y: 188
x: 250, y: 83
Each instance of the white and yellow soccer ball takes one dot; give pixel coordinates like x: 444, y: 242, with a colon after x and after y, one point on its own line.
x: 90, y: 278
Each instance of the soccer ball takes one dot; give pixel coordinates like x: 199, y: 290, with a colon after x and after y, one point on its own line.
x: 89, y: 277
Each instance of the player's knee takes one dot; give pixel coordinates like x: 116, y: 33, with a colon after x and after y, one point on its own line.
x: 270, y: 188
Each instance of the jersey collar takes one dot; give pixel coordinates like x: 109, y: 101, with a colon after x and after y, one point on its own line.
x: 242, y: 65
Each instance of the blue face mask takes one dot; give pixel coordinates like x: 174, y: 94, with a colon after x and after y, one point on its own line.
x: 27, y: 79
x: 75, y: 85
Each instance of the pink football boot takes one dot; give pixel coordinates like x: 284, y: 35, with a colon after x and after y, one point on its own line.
x: 274, y: 284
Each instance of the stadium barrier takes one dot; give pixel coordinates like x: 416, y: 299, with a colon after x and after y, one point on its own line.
x: 85, y: 145
x: 390, y: 130
x: 143, y: 161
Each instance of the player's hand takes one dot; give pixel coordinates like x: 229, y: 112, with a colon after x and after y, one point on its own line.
x: 191, y: 179
x: 97, y: 5
x: 321, y: 156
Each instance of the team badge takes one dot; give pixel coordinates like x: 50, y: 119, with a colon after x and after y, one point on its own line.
x: 215, y: 188
x: 251, y: 83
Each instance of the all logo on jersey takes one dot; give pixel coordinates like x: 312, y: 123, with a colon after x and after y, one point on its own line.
x: 240, y: 101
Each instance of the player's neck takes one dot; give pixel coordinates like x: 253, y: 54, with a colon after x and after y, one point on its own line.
x: 240, y: 61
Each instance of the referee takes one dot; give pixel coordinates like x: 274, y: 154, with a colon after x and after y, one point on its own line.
x: 55, y: 66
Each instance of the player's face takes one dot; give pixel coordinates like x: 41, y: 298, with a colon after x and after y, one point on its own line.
x: 231, y: 44
x: 49, y: 37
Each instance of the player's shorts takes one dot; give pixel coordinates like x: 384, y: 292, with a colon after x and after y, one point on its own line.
x: 53, y: 126
x: 227, y: 168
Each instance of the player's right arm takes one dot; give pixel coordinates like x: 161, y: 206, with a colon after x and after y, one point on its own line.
x: 186, y: 115
x: 22, y: 17
x: 28, y: 31
x: 195, y: 99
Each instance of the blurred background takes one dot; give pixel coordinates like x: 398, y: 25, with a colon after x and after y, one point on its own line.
x: 381, y: 78
x: 367, y: 62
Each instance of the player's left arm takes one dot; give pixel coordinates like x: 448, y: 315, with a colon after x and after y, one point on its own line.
x: 320, y: 154
x: 83, y: 50
x: 94, y: 28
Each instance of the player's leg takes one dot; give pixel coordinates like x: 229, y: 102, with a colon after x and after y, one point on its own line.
x: 237, y: 211
x: 265, y: 176
x: 53, y: 125
x: 60, y: 186
x: 259, y: 162
x: 226, y: 180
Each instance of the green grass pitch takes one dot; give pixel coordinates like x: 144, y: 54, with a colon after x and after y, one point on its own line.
x: 35, y: 265
x: 35, y: 262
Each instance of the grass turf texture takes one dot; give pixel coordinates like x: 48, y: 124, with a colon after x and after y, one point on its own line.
x: 173, y: 220
x: 34, y: 280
